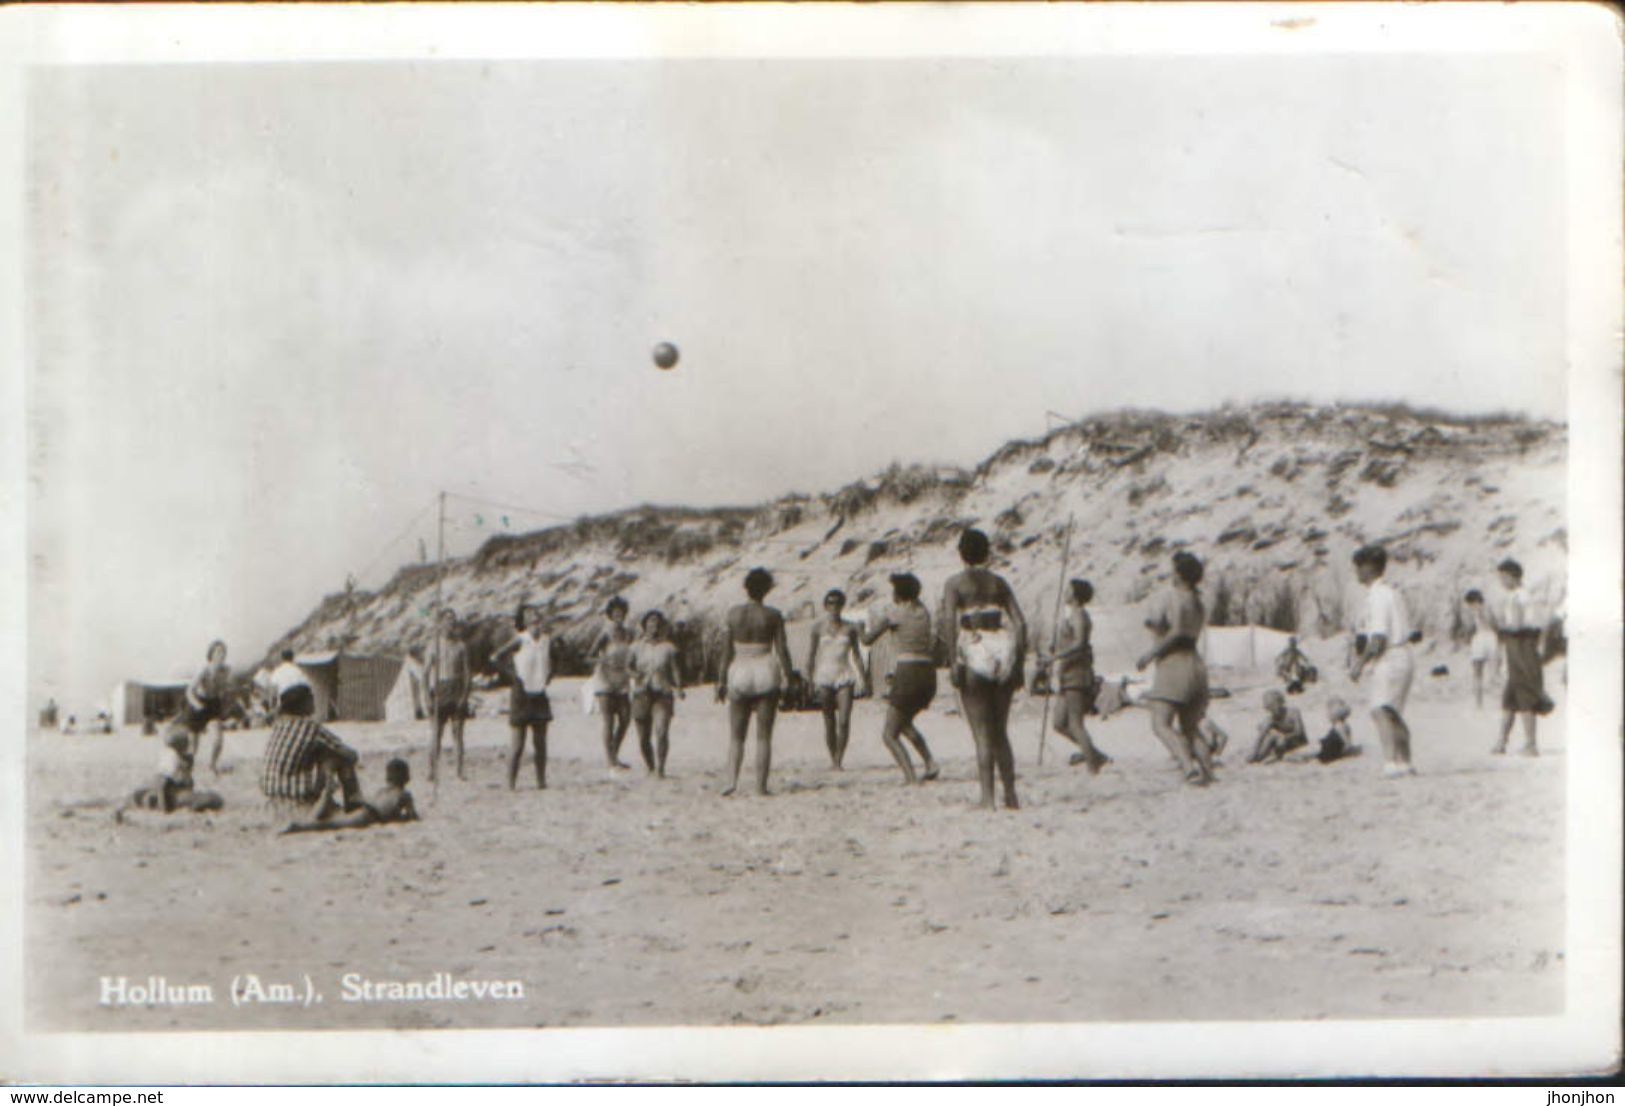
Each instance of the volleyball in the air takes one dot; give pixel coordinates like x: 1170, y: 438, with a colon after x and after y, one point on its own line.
x: 665, y: 355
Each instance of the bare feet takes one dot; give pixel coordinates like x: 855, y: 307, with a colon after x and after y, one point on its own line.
x: 728, y: 792
x: 1100, y: 761
x: 1529, y: 751
x: 1076, y: 759
x: 1500, y: 749
x: 932, y: 771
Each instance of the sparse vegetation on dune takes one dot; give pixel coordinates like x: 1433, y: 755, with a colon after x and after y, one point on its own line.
x: 1273, y: 496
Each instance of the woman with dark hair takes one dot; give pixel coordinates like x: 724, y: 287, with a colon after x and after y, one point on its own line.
x: 206, y: 704
x: 1481, y: 648
x: 755, y: 665
x: 833, y: 661
x: 1179, y: 693
x: 987, y: 643
x: 914, y: 679
x: 1074, y: 673
x: 612, y: 650
x: 528, y: 706
x: 655, y: 687
x: 1519, y: 630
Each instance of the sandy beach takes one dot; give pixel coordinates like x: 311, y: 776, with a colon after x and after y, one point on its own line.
x: 1290, y: 891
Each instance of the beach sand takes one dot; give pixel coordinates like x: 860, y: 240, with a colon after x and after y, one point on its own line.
x: 1291, y: 891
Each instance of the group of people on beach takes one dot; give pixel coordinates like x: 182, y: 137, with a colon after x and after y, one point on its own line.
x: 636, y: 682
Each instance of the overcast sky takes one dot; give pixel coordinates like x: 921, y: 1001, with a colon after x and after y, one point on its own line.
x: 275, y: 308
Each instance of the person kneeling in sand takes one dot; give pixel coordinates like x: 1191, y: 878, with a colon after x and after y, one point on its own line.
x: 171, y: 789
x: 392, y: 804
x: 1280, y: 732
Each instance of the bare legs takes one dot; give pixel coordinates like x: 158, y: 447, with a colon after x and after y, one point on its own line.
x: 617, y: 712
x: 987, y: 708
x: 1478, y: 684
x: 1069, y: 724
x: 837, y: 723
x: 766, y: 710
x: 1529, y: 747
x: 516, y: 750
x: 456, y: 740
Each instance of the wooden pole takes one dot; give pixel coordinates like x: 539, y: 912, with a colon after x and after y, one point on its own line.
x: 1055, y: 630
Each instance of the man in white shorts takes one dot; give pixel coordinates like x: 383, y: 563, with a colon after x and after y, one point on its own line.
x: 1386, y: 628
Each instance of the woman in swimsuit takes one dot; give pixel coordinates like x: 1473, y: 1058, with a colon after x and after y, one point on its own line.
x: 914, y: 680
x: 1074, y: 663
x: 987, y: 639
x: 832, y: 658
x: 1179, y: 694
x: 755, y: 663
x: 655, y: 687
x: 612, y: 650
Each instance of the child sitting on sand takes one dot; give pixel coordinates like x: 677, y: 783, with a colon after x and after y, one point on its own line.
x: 171, y: 789
x: 1338, y: 742
x: 392, y: 804
x: 1280, y: 732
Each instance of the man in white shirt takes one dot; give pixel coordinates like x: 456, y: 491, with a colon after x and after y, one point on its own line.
x: 1386, y: 627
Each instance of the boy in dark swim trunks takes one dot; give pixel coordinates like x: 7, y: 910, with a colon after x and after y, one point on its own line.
x: 392, y: 804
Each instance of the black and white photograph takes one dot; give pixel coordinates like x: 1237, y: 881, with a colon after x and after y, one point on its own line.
x: 759, y: 542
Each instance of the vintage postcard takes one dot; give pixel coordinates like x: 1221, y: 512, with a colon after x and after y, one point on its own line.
x: 756, y: 542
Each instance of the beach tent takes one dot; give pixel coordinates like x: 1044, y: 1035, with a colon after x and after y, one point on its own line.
x: 1244, y: 647
x: 350, y: 687
x: 408, y: 699
x: 138, y: 701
